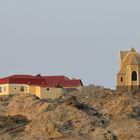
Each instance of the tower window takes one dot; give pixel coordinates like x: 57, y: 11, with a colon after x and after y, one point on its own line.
x: 121, y: 79
x: 134, y: 76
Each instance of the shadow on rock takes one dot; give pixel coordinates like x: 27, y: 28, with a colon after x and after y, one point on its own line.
x: 91, y: 112
x: 13, y: 124
x: 135, y: 114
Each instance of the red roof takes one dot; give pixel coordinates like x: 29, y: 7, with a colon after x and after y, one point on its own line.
x: 44, y: 81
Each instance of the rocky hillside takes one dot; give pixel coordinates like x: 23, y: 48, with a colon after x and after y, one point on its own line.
x: 90, y: 114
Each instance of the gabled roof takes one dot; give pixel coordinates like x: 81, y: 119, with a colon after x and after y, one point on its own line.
x: 133, y: 50
x: 130, y: 58
x: 123, y: 54
x: 43, y: 81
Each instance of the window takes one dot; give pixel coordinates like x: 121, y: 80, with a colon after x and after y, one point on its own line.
x: 22, y: 89
x: 134, y: 76
x: 0, y: 89
x: 47, y: 89
x: 121, y: 79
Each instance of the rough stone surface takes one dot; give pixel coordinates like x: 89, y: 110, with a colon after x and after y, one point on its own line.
x: 93, y: 113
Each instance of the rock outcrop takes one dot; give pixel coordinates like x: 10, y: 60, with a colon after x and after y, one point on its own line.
x: 89, y: 114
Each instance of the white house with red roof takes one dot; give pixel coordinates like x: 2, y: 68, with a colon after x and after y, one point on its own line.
x: 50, y: 87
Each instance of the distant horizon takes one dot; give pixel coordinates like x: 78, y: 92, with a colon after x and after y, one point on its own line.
x: 79, y: 38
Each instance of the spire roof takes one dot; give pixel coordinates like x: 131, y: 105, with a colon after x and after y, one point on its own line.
x: 133, y: 50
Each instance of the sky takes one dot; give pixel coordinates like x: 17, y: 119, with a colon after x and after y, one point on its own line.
x: 76, y: 38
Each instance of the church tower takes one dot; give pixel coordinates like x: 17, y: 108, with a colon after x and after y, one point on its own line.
x: 128, y: 76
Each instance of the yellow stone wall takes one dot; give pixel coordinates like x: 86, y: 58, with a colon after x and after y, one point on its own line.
x: 38, y: 91
x: 15, y: 88
x: 127, y: 81
x: 41, y: 92
x: 4, y: 89
x: 130, y: 69
x: 32, y: 90
x: 51, y: 93
x: 129, y: 62
x: 119, y: 79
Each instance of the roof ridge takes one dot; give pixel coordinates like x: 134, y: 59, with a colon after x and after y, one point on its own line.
x: 126, y: 56
x: 132, y: 50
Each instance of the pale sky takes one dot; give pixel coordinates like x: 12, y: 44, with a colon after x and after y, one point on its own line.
x: 76, y: 38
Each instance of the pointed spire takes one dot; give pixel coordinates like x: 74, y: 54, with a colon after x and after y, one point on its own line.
x: 133, y: 50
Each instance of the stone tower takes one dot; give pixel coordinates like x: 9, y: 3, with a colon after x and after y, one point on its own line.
x: 128, y: 76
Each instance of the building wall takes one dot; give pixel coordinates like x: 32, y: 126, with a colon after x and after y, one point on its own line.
x: 51, y: 93
x: 32, y: 90
x: 71, y: 89
x: 119, y: 82
x: 127, y: 84
x: 4, y: 89
x: 38, y: 91
x: 130, y: 69
x: 16, y: 88
x: 41, y: 92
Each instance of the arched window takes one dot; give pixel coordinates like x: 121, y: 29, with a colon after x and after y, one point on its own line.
x: 121, y: 79
x: 134, y: 76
